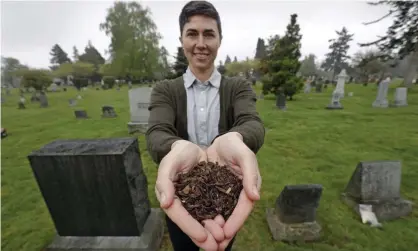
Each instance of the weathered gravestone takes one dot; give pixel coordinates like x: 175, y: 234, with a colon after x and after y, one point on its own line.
x: 382, y: 93
x: 377, y: 183
x: 341, y: 78
x: 81, y: 114
x: 139, y: 100
x: 400, y: 97
x: 294, y: 215
x: 97, y: 195
x: 72, y: 102
x: 34, y: 98
x: 335, y: 102
x: 308, y: 86
x: 108, y: 112
x: 281, y: 101
x: 318, y: 87
x: 21, y: 103
x: 43, y: 100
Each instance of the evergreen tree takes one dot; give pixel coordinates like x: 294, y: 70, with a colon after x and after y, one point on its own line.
x: 181, y: 64
x: 283, y: 63
x: 221, y: 68
x: 227, y: 60
x: 401, y: 39
x: 260, y: 51
x: 76, y: 55
x: 337, y: 58
x: 59, y: 56
x: 91, y: 55
x: 235, y: 59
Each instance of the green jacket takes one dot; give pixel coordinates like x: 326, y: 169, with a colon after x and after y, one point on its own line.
x: 168, y: 114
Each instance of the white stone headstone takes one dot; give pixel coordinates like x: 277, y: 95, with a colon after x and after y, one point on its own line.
x: 341, y: 78
x: 139, y: 100
x: 401, y: 96
x: 382, y: 93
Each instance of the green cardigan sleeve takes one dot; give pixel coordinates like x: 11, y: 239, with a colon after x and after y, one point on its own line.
x: 247, y: 121
x: 161, y: 133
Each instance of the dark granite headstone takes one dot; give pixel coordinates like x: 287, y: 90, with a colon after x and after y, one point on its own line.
x: 281, y: 101
x: 108, y: 112
x: 294, y: 215
x: 97, y: 194
x: 81, y: 114
x: 377, y: 183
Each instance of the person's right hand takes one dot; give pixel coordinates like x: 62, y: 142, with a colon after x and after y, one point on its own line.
x: 184, y: 155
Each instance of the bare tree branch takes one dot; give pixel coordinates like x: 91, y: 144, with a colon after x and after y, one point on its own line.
x: 380, y: 19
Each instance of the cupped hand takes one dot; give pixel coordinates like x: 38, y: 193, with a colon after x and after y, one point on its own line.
x: 230, y: 150
x: 184, y: 155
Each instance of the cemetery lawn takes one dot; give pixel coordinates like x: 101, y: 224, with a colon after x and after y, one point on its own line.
x: 305, y: 144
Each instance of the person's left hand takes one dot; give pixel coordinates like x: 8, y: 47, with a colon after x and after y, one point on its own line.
x: 230, y: 150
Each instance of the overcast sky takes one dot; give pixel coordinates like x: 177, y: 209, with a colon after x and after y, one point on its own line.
x: 29, y: 29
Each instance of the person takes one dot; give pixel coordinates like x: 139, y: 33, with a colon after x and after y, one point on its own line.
x: 203, y: 116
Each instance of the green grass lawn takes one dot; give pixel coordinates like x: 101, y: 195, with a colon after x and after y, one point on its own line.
x: 305, y: 144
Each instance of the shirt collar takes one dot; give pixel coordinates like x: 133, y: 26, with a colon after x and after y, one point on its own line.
x: 190, y: 78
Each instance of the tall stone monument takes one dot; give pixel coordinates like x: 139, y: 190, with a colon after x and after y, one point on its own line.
x: 382, y: 93
x: 341, y: 78
x: 139, y: 100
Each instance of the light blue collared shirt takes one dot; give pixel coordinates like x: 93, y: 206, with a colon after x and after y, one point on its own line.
x: 203, y: 107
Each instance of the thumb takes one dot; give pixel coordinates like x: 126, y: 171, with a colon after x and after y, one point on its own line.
x: 164, y: 187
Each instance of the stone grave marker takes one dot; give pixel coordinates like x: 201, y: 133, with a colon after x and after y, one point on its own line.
x: 307, y: 86
x: 81, y: 114
x: 72, y: 102
x: 335, y: 102
x: 281, y: 101
x: 341, y: 78
x: 382, y: 93
x: 294, y: 215
x: 318, y: 87
x: 97, y: 195
x: 108, y: 112
x: 139, y: 100
x: 43, y: 100
x: 65, y: 89
x: 35, y: 97
x: 21, y: 103
x: 400, y: 97
x: 377, y: 183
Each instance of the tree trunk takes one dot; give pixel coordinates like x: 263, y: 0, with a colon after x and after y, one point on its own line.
x: 412, y: 69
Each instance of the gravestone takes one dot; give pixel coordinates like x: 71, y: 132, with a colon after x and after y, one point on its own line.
x: 377, y: 183
x: 43, y: 100
x: 34, y: 98
x: 335, y: 102
x: 382, y: 92
x: 21, y: 103
x: 81, y: 114
x: 307, y: 87
x: 130, y: 84
x: 139, y: 100
x: 318, y: 87
x: 53, y: 87
x: 65, y: 89
x: 400, y: 97
x: 281, y: 101
x: 294, y: 215
x: 97, y: 195
x: 341, y: 78
x: 72, y: 102
x: 108, y: 112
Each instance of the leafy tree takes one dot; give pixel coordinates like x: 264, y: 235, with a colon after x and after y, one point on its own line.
x: 181, y: 63
x: 10, y: 69
x: 337, y: 58
x: 245, y: 67
x: 308, y: 66
x: 163, y: 62
x: 37, y: 79
x: 368, y: 64
x: 282, y: 63
x: 109, y: 81
x: 58, y: 57
x: 77, y: 70
x: 401, y: 39
x: 134, y: 40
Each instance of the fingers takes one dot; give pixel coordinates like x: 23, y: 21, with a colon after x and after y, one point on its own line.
x: 220, y: 220
x: 251, y: 178
x: 164, y: 189
x: 178, y: 214
x: 224, y: 244
x: 239, y: 215
x: 209, y: 244
x: 215, y: 230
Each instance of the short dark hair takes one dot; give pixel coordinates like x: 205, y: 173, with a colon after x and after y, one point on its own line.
x: 194, y: 8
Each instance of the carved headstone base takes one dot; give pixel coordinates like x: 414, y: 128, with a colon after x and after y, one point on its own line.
x: 137, y: 127
x: 307, y: 231
x: 398, y: 104
x: 385, y: 211
x: 380, y: 104
x: 150, y: 239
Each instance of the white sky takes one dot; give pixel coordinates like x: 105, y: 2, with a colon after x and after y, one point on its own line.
x: 29, y: 29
